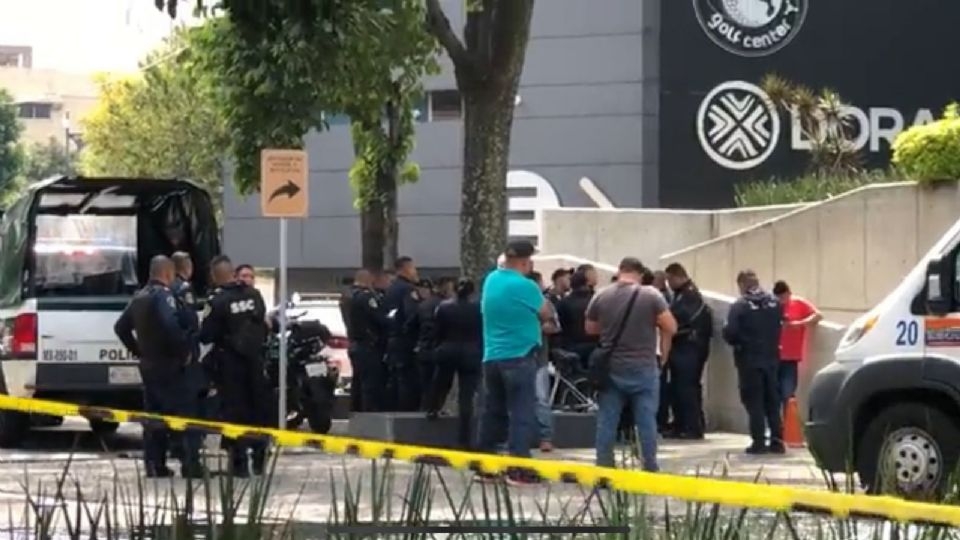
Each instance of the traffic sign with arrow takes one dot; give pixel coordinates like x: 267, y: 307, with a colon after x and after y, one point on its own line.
x: 283, y: 183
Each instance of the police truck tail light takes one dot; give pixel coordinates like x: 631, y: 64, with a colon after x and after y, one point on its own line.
x: 24, y: 334
x: 338, y: 342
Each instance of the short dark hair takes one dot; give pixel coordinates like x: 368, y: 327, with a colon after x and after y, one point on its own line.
x: 578, y: 280
x: 519, y: 249
x: 676, y: 269
x: 647, y: 277
x: 586, y: 267
x: 218, y: 260
x: 781, y: 287
x: 559, y: 273
x: 241, y: 268
x: 747, y: 277
x: 632, y: 265
x: 401, y: 262
x: 535, y: 276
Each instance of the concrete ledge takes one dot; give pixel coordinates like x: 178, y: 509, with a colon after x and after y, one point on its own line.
x: 570, y: 430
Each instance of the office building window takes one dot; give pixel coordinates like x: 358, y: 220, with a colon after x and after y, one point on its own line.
x: 445, y: 105
x: 36, y: 110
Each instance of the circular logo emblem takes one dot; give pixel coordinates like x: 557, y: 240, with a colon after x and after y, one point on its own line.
x: 738, y: 125
x: 751, y: 27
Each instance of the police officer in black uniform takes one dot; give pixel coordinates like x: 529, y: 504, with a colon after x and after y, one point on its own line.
x: 235, y: 324
x: 688, y: 354
x: 402, y: 298
x: 183, y: 291
x: 149, y: 328
x: 367, y: 328
x: 753, y: 330
x: 362, y: 279
x: 426, y: 333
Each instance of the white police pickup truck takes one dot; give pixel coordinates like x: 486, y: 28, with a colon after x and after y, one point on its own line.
x: 888, y: 407
x: 73, y: 252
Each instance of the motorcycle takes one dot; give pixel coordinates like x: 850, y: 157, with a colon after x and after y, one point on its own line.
x: 311, y: 377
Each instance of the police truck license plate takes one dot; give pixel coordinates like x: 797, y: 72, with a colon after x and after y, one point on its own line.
x: 124, y: 375
x: 318, y: 369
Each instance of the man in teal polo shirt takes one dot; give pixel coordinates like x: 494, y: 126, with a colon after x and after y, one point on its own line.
x: 514, y: 309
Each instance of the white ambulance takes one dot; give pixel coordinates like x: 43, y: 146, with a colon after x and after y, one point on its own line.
x: 888, y: 407
x: 73, y: 252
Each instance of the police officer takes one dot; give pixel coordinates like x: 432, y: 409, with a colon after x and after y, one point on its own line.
x: 753, y: 330
x: 149, y: 328
x: 688, y: 354
x: 183, y: 291
x: 367, y: 328
x: 426, y: 333
x: 363, y: 278
x: 235, y: 324
x: 402, y: 298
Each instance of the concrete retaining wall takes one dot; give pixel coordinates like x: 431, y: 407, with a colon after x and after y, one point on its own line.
x: 611, y: 234
x: 844, y: 254
x: 721, y: 391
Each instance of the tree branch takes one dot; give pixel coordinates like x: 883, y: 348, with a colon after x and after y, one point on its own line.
x: 439, y: 26
x: 511, y: 32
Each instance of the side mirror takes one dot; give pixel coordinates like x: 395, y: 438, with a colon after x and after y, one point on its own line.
x: 939, y: 295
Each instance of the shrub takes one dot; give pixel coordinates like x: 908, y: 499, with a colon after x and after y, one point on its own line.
x: 809, y: 188
x: 930, y: 152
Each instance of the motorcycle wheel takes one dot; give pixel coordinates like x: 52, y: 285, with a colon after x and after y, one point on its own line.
x: 319, y: 409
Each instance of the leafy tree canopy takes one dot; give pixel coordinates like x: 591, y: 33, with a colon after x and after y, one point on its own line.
x: 43, y: 160
x: 278, y: 78
x: 160, y: 123
x: 11, y: 152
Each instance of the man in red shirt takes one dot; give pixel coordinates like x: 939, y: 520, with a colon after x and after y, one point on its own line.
x: 799, y: 316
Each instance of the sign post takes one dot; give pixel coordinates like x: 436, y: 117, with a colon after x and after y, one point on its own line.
x: 283, y: 194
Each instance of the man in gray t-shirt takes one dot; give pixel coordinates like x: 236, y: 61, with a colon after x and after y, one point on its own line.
x: 634, y: 370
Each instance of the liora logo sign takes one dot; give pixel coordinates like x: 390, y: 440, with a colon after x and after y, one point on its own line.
x: 739, y: 126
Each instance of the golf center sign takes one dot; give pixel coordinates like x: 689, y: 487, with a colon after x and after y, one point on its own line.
x: 751, y: 27
x: 717, y: 126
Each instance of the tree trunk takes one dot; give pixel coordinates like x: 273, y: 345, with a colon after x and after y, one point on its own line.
x: 387, y: 189
x: 372, y: 235
x: 488, y: 119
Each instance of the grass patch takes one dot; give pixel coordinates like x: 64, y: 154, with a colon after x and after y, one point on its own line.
x: 808, y: 188
x: 386, y: 493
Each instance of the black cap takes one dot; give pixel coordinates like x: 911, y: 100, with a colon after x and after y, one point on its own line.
x: 519, y: 249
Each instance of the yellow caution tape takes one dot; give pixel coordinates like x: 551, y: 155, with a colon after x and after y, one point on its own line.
x: 697, y: 489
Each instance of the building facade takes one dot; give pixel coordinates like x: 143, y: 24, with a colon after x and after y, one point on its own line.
x: 584, y: 132
x: 633, y: 103
x: 51, y: 102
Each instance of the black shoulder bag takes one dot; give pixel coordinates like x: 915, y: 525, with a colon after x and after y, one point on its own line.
x: 602, y: 356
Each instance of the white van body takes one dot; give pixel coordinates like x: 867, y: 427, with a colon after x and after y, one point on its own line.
x: 888, y: 407
x: 74, y: 252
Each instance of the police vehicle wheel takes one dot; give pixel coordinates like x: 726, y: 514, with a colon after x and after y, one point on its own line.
x: 103, y: 427
x: 13, y: 427
x: 908, y: 449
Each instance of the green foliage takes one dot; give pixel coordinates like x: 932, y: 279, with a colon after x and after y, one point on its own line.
x: 11, y: 152
x: 809, y: 188
x: 161, y: 123
x: 277, y: 77
x: 226, y: 509
x: 823, y: 121
x: 43, y: 160
x: 931, y: 152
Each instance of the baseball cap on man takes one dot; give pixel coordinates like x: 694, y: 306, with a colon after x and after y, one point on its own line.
x: 519, y: 249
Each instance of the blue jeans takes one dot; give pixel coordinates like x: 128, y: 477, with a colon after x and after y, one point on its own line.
x: 787, y: 380
x: 642, y: 391
x: 544, y: 408
x: 509, y: 405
